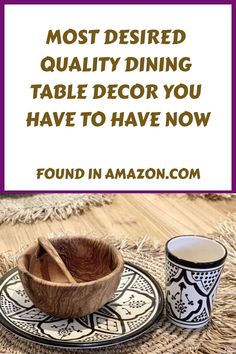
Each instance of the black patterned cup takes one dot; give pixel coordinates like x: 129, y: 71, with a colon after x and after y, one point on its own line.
x: 193, y: 268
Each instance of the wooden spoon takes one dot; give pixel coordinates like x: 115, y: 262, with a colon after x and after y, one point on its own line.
x: 48, y: 264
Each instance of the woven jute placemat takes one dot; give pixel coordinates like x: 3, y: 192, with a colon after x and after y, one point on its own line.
x: 164, y: 338
x: 212, y: 196
x: 28, y: 208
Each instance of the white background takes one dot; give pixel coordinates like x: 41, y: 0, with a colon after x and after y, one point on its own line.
x: 208, y: 43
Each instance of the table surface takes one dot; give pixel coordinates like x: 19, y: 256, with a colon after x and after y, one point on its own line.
x: 130, y: 216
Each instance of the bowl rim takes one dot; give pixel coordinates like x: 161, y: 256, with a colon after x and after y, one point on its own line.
x: 118, y: 269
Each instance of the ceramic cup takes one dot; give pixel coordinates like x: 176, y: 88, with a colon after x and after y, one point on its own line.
x: 193, y: 268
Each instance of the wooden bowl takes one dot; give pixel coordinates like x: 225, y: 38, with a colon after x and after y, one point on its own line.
x: 95, y: 263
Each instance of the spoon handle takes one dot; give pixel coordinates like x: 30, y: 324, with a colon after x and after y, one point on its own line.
x: 46, y: 246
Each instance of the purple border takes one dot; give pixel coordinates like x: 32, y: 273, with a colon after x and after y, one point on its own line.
x: 111, y: 2
x: 2, y: 99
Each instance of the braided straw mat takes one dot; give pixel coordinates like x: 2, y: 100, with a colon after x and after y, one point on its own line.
x: 163, y: 338
x: 28, y: 208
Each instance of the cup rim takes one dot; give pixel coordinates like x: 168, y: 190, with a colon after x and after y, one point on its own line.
x: 192, y: 264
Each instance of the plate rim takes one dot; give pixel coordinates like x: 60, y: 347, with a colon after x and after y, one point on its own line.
x: 94, y: 345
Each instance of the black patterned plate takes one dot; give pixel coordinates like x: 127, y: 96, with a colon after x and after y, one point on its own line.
x: 136, y: 305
